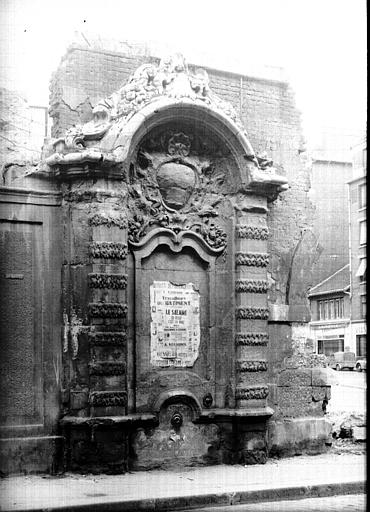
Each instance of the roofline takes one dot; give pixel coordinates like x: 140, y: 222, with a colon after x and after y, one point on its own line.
x: 338, y: 290
x: 332, y: 161
x: 327, y: 279
x: 363, y: 176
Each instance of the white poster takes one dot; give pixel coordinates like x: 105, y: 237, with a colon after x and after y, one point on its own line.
x: 175, y: 327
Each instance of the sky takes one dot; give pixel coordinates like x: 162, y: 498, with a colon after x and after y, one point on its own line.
x: 321, y: 44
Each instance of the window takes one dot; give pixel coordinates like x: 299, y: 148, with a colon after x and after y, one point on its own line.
x: 362, y: 195
x: 330, y: 309
x: 328, y: 347
x: 361, y: 271
x: 362, y: 232
x: 361, y: 345
x: 363, y: 306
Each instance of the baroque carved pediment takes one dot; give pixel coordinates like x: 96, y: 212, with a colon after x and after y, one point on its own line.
x: 171, y: 78
x: 106, y: 140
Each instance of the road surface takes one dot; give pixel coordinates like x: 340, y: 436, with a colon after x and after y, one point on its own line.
x: 348, y: 391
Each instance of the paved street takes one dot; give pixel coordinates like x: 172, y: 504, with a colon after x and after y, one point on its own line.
x: 348, y: 391
x: 350, y: 503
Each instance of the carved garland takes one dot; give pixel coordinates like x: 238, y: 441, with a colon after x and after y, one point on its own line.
x: 108, y: 398
x: 252, y: 259
x: 250, y: 285
x: 251, y: 366
x: 251, y: 338
x: 250, y: 313
x: 106, y: 368
x: 114, y: 281
x: 115, y: 250
x: 107, y: 309
x: 99, y: 219
x: 252, y: 232
x: 252, y: 393
x: 107, y: 338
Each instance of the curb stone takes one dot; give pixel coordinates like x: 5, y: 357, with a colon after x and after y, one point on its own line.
x: 204, y: 500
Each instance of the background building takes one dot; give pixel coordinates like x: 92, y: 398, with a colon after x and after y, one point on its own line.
x: 338, y: 302
x: 330, y: 310
x: 357, y: 239
x: 331, y: 170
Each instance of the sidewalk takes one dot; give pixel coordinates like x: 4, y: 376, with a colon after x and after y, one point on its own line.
x: 296, y: 477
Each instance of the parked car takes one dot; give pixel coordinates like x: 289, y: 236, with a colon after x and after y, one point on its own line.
x: 341, y: 360
x: 361, y: 364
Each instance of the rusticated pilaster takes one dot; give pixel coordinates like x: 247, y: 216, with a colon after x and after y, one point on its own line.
x: 108, y: 220
x: 107, y: 368
x: 108, y: 310
x: 108, y: 250
x: 251, y: 313
x: 251, y: 285
x: 114, y: 281
x: 252, y: 259
x: 252, y: 393
x: 251, y: 366
x: 251, y: 338
x: 252, y: 232
x: 107, y: 338
x: 108, y: 398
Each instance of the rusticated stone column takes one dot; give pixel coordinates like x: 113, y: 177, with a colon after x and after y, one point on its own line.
x: 107, y: 313
x: 251, y: 313
x: 94, y: 300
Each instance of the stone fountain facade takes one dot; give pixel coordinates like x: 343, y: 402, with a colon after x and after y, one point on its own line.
x: 170, y: 350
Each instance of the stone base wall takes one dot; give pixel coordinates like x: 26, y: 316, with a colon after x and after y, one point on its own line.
x: 118, y: 448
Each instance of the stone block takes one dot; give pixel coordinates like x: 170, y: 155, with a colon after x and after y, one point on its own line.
x: 23, y: 455
x: 295, y: 400
x: 320, y: 377
x: 100, y: 450
x: 359, y: 433
x: 320, y: 393
x: 295, y: 377
x: 79, y: 399
x: 278, y: 313
x: 299, y: 313
x: 299, y: 435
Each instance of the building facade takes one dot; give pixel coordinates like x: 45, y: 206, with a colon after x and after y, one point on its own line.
x: 158, y: 267
x: 357, y: 233
x: 330, y: 313
x: 338, y: 302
